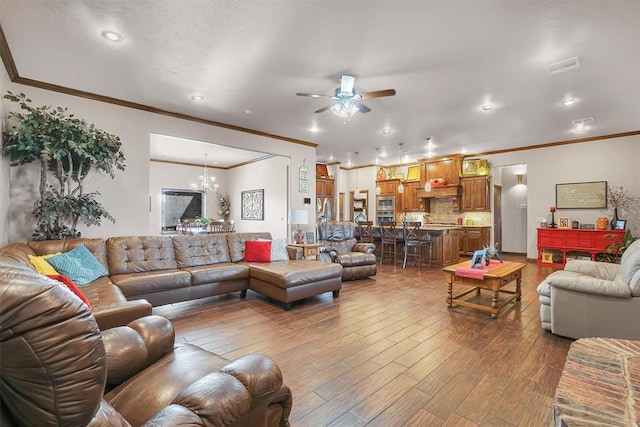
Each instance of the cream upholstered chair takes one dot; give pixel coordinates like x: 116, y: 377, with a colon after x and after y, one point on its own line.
x: 594, y: 299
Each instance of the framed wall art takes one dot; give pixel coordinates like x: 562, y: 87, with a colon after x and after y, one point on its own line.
x: 252, y: 205
x: 582, y: 195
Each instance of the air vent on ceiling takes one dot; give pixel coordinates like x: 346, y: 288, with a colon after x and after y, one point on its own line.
x: 563, y: 66
x: 580, y: 122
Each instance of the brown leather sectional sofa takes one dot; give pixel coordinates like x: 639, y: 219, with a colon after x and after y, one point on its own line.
x: 146, y: 271
x: 59, y: 369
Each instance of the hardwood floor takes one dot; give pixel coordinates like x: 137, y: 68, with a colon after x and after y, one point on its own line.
x: 388, y: 352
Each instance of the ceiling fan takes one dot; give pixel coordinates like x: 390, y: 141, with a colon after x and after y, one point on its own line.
x: 347, y: 100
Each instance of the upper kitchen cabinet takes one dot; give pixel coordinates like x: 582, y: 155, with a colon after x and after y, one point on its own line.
x: 443, y: 168
x: 388, y: 187
x: 324, y: 187
x: 410, y: 200
x: 475, y: 194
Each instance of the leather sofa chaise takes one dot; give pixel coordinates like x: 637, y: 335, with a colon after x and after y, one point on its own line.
x: 146, y: 271
x: 593, y: 299
x: 59, y: 369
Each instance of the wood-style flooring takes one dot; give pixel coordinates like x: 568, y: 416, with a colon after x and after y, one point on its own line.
x: 388, y: 352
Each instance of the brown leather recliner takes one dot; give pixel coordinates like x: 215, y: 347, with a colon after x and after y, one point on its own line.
x: 56, y: 366
x: 340, y: 245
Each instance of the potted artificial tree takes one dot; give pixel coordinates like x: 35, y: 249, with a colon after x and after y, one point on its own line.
x: 67, y: 148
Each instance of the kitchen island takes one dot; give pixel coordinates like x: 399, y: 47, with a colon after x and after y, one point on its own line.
x: 445, y: 242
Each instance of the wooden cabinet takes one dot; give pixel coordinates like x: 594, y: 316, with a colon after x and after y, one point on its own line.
x: 410, y: 201
x: 475, y: 194
x: 389, y: 187
x: 324, y: 187
x: 446, y: 167
x: 445, y: 249
x: 472, y: 239
x: 555, y: 244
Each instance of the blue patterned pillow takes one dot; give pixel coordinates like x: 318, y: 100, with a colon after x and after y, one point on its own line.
x: 79, y: 264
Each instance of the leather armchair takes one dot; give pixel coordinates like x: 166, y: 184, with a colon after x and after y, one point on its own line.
x: 594, y: 299
x: 341, y: 246
x: 58, y: 368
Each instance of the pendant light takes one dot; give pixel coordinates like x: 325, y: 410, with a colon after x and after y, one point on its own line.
x: 427, y: 184
x: 377, y: 161
x: 207, y: 183
x: 400, y: 186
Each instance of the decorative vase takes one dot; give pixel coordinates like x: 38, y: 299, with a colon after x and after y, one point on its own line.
x: 602, y: 223
x: 382, y: 175
x: 614, y: 220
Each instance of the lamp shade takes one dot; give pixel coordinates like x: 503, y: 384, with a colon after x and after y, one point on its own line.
x: 298, y: 217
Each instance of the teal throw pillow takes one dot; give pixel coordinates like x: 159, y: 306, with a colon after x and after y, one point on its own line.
x: 79, y: 264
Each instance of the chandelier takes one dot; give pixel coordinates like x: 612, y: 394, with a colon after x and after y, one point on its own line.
x: 207, y: 183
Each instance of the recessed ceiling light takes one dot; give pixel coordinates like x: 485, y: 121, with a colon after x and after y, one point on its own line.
x: 487, y: 107
x: 248, y: 111
x: 197, y: 98
x: 314, y: 129
x: 386, y: 131
x: 112, y: 35
x: 568, y: 102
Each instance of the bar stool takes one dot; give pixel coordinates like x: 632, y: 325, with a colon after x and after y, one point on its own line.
x: 365, y: 230
x: 416, y: 242
x: 389, y: 241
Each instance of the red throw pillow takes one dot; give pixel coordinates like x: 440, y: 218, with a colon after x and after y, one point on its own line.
x: 72, y: 286
x: 257, y: 251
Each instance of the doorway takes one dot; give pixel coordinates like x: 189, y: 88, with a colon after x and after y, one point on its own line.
x: 497, y: 216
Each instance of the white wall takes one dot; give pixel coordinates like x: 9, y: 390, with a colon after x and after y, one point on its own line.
x: 612, y: 160
x: 270, y: 175
x: 127, y: 196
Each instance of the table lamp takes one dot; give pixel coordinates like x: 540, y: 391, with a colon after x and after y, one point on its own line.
x: 298, y: 217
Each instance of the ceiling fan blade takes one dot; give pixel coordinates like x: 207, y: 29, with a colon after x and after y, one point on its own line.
x: 315, y: 95
x: 378, y: 93
x: 347, y: 83
x: 323, y: 109
x: 363, y: 108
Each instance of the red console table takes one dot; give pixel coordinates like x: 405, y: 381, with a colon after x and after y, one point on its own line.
x: 575, y: 240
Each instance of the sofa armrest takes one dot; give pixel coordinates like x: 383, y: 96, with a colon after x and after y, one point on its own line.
x: 132, y: 348
x: 367, y: 248
x: 238, y: 394
x: 331, y: 251
x: 600, y: 270
x: 582, y: 283
x: 120, y: 313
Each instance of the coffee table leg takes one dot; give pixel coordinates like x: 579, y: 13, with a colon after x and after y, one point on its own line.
x: 450, y: 294
x: 518, y: 290
x: 494, y: 304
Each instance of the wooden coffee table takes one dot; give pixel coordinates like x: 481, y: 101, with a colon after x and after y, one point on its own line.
x: 494, y: 280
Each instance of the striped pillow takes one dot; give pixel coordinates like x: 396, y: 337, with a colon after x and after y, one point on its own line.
x: 79, y: 264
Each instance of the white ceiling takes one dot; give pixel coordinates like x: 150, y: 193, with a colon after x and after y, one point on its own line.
x: 445, y: 59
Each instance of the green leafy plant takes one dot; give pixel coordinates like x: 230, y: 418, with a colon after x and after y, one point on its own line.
x: 614, y: 250
x: 67, y: 148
